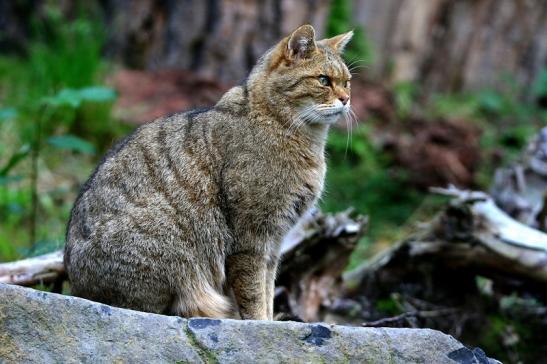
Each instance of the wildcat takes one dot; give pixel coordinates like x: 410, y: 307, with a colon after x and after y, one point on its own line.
x: 186, y: 215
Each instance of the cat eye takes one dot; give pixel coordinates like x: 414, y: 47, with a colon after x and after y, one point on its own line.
x: 324, y: 80
x: 346, y: 84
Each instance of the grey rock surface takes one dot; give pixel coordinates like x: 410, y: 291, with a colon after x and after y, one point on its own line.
x: 49, y: 328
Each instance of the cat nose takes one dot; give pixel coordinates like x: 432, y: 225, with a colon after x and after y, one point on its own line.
x: 344, y: 99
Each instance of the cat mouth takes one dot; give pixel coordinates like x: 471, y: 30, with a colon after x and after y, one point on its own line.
x: 330, y: 117
x: 326, y: 115
x: 335, y: 112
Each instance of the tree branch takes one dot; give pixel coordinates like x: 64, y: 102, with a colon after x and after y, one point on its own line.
x: 27, y: 272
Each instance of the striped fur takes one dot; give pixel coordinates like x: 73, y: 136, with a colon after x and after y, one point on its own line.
x: 186, y: 215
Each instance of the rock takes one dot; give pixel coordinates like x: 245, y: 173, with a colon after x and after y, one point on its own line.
x: 43, y: 327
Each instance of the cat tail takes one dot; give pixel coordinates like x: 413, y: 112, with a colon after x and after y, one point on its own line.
x: 203, y: 302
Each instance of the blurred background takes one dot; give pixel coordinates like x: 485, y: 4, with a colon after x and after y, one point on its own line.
x: 445, y: 92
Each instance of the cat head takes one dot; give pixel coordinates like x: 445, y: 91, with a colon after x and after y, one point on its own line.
x: 304, y: 79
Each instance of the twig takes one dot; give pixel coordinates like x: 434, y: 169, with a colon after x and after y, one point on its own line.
x: 388, y: 320
x: 407, y: 315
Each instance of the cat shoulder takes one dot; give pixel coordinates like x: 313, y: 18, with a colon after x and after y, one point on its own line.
x: 234, y: 101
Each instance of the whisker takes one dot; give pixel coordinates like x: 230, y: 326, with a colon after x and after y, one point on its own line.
x: 354, y: 61
x: 347, y: 134
x: 351, y: 118
x: 353, y: 68
x: 300, y: 119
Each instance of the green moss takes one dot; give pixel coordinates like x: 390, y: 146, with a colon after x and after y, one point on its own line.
x: 203, y: 352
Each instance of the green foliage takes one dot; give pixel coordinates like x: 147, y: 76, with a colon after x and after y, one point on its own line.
x: 53, y: 116
x: 459, y: 105
x: 359, y: 50
x: 72, y: 142
x: 539, y: 88
x: 510, y: 338
x: 7, y: 114
x: 405, y: 98
x: 339, y: 20
x: 74, y: 98
x: 65, y: 53
x: 17, y: 157
x: 493, y: 106
x: 388, y: 306
x: 507, y: 121
x: 360, y: 176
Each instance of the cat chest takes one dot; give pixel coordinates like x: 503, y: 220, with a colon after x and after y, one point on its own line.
x: 299, y: 195
x: 302, y: 200
x: 273, y: 195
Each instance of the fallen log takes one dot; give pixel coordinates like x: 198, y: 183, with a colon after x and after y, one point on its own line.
x: 315, y: 254
x: 472, y: 236
x: 521, y: 188
x: 42, y: 269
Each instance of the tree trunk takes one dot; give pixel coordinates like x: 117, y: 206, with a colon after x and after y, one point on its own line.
x: 446, y: 45
x: 217, y: 38
x: 451, y: 45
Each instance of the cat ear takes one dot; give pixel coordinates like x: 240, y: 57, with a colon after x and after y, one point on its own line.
x: 339, y: 42
x: 301, y: 43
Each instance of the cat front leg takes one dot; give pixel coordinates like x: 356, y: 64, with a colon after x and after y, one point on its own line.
x: 271, y: 273
x: 247, y: 273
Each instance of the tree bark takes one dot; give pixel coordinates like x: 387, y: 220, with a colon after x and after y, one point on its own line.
x: 27, y: 272
x: 446, y: 45
x: 472, y: 236
x: 216, y: 38
x: 521, y: 189
x: 451, y: 45
x: 314, y: 256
